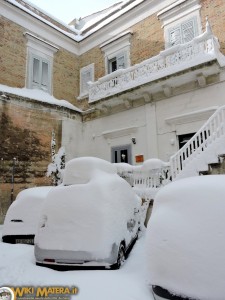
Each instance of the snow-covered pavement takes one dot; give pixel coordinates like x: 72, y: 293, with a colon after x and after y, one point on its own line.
x: 17, y: 268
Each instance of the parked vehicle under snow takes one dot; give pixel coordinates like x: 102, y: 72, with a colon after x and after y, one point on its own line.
x: 185, y: 239
x: 91, y: 220
x: 21, y: 220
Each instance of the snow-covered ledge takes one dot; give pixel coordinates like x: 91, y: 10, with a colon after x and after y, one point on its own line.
x: 202, y: 49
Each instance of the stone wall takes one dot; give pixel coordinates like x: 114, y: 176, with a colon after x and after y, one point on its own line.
x: 147, y: 40
x: 12, y: 54
x: 66, y: 76
x: 25, y: 134
x: 215, y: 12
x: 13, y: 59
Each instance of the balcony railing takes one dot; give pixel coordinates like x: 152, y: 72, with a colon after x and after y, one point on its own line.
x: 201, y: 49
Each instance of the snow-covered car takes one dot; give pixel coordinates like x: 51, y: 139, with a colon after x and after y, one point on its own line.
x: 185, y: 240
x: 92, y: 220
x: 22, y: 217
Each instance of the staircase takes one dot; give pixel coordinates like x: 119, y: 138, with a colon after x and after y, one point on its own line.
x: 204, y: 151
x: 203, y: 154
x: 215, y: 168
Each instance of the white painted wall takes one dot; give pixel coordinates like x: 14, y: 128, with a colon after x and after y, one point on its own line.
x: 188, y: 103
x: 155, y: 137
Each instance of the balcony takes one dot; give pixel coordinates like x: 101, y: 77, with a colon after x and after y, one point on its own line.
x: 180, y: 59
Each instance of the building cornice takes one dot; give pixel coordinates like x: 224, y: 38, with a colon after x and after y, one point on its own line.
x: 39, y: 27
x: 66, y: 40
x: 122, y: 23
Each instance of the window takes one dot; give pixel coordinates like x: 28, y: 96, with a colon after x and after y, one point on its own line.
x: 40, y: 62
x: 116, y: 63
x: 183, y: 33
x: 86, y: 75
x: 181, y: 21
x: 117, y: 52
x: 40, y: 73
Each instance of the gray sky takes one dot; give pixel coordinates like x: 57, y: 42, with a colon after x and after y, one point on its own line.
x: 67, y: 10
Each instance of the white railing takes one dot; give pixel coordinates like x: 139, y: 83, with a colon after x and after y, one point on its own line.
x: 203, y: 148
x: 201, y: 49
x: 146, y: 180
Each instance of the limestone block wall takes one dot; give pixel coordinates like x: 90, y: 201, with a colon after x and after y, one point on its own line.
x: 95, y: 56
x: 12, y: 54
x: 66, y: 76
x: 215, y: 12
x: 13, y: 63
x: 147, y: 40
x: 25, y: 134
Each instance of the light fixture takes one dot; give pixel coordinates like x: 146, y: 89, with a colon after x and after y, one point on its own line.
x: 133, y: 139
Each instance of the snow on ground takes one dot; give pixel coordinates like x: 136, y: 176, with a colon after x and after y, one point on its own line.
x: 17, y: 268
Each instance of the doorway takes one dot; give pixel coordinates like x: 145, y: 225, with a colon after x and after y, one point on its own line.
x: 121, y: 154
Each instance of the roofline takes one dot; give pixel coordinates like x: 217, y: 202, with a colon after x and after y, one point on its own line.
x: 112, y: 28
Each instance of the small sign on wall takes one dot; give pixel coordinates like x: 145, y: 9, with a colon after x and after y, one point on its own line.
x: 139, y: 158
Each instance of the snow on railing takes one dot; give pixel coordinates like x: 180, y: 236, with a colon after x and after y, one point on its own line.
x: 201, y: 49
x: 203, y: 148
x: 146, y: 179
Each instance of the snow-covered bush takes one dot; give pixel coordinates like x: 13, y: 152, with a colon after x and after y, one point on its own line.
x: 57, y: 166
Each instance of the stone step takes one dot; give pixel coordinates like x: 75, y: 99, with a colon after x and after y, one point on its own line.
x: 216, y: 167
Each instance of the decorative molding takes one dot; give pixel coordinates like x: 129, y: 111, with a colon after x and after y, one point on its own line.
x: 119, y: 132
x: 40, y: 45
x: 45, y: 30
x: 122, y: 23
x: 178, y: 10
x: 147, y: 96
x: 201, y: 80
x: 167, y: 90
x: 194, y: 116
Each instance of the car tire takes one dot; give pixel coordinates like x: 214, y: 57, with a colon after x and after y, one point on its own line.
x: 121, y: 256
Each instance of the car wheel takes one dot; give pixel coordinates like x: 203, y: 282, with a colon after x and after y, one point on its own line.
x: 121, y: 256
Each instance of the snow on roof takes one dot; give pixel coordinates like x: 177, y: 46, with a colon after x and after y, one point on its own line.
x: 38, y: 95
x: 78, y: 29
x: 83, y: 24
x: 68, y: 31
x: 96, y: 21
x: 185, y: 246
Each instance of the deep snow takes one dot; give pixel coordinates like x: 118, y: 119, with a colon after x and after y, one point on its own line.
x: 17, y: 268
x: 185, y: 238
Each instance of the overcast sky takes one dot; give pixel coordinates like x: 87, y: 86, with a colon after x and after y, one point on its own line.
x: 67, y: 10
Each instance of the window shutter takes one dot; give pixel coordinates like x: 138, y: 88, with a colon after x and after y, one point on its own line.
x: 175, y: 36
x: 85, y: 78
x: 188, y: 31
x: 36, y: 72
x: 121, y: 62
x: 44, y: 77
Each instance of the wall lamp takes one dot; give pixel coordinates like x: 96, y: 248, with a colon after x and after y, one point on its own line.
x: 133, y: 139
